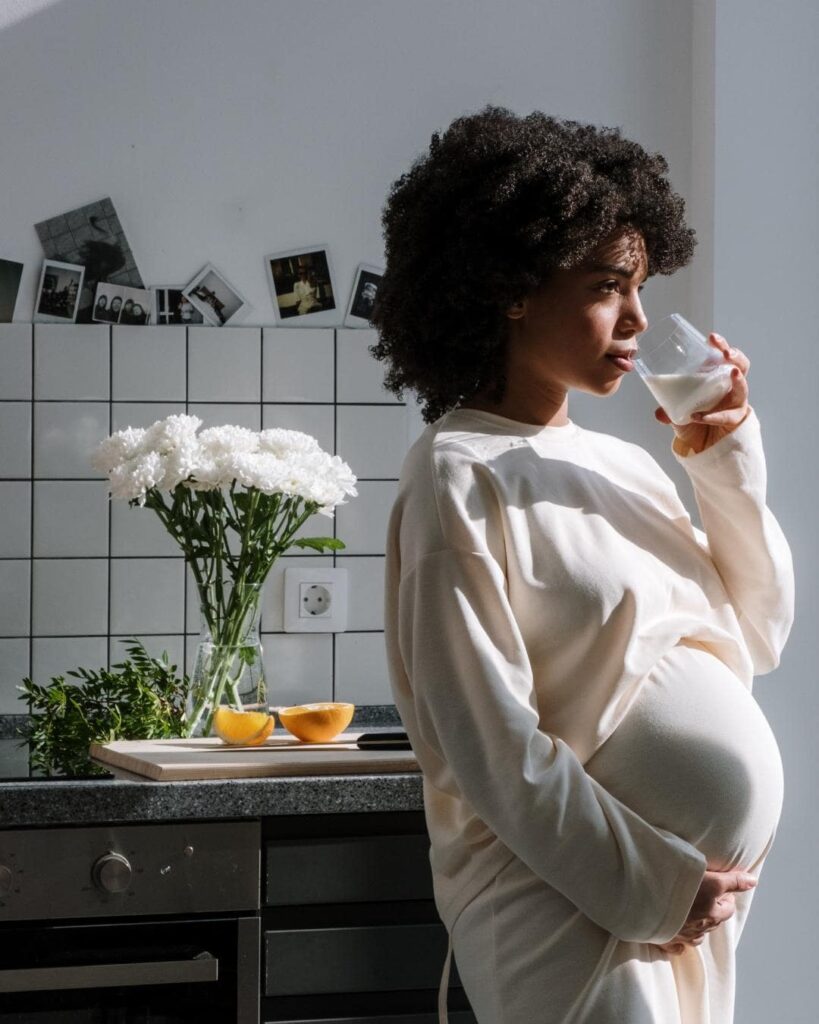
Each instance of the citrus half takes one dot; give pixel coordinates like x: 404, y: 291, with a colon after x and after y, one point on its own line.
x: 317, y: 723
x: 242, y: 728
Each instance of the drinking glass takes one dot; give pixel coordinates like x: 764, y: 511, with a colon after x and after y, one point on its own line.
x: 678, y: 366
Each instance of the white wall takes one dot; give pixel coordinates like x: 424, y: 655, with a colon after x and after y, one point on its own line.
x: 223, y: 132
x: 766, y: 263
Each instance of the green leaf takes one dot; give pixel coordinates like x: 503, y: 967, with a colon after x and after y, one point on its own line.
x: 139, y: 698
x: 320, y: 543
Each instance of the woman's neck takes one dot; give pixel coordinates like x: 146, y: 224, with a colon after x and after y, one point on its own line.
x: 544, y: 411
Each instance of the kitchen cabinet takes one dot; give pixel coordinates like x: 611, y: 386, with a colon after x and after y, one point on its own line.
x: 349, y: 927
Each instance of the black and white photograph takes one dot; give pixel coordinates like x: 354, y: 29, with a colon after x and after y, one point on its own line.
x: 115, y: 304
x: 10, y: 274
x: 171, y: 306
x: 136, y: 306
x: 92, y: 237
x: 107, y: 303
x: 362, y: 297
x: 214, y: 297
x: 301, y: 285
x: 58, y: 293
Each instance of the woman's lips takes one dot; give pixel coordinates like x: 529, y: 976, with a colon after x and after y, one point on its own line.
x: 621, y: 362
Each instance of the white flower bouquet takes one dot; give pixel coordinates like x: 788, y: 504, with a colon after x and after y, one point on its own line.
x: 232, y: 499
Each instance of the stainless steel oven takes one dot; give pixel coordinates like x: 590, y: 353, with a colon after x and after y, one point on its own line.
x: 145, y: 924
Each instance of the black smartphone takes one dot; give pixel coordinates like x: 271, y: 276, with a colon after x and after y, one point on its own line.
x: 386, y: 739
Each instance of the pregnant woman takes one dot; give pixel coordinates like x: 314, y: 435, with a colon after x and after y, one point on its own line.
x: 571, y: 657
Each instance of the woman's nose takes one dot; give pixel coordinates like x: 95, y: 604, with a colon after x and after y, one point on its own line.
x: 634, y: 316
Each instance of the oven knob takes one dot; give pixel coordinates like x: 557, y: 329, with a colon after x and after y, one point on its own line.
x: 111, y: 873
x: 6, y: 879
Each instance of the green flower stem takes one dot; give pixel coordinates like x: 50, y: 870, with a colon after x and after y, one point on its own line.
x: 198, y: 521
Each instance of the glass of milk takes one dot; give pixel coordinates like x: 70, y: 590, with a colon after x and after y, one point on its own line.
x: 683, y: 372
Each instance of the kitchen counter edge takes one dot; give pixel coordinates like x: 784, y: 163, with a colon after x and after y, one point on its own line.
x: 85, y: 802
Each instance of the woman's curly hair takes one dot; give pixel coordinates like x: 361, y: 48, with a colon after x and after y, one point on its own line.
x: 483, y: 218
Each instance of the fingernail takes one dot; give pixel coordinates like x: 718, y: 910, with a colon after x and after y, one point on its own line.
x: 735, y: 373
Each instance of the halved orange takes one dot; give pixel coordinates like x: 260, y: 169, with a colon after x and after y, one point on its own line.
x: 317, y: 723
x: 242, y: 728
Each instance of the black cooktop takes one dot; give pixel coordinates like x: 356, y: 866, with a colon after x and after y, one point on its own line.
x: 14, y: 766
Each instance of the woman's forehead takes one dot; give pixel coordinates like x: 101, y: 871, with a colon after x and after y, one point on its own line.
x: 627, y: 248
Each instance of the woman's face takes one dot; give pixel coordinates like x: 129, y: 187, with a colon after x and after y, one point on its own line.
x: 567, y: 333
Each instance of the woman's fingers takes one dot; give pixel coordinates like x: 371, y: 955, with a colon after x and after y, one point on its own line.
x: 732, y: 355
x: 732, y: 409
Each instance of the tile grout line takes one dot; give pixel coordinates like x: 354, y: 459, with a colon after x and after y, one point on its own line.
x: 30, y: 672
x: 110, y: 504
x: 334, y: 636
x: 185, y: 668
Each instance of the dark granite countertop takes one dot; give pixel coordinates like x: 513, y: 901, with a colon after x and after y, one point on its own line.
x: 73, y: 802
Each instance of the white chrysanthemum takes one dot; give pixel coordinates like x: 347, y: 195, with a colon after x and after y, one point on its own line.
x: 176, y: 431
x: 132, y: 479
x: 118, y: 448
x: 221, y: 455
x: 261, y: 470
x: 175, y: 440
x: 273, y: 461
x: 320, y: 477
x: 180, y: 463
x: 282, y: 443
x: 227, y: 440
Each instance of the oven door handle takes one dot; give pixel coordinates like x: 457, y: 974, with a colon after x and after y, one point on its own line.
x: 204, y: 967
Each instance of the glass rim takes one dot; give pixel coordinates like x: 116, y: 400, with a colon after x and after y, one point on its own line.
x: 659, y: 338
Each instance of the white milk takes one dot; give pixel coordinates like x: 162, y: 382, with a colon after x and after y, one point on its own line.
x: 681, y: 394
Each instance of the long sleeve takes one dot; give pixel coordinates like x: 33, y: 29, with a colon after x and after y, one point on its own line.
x: 472, y: 691
x: 744, y: 539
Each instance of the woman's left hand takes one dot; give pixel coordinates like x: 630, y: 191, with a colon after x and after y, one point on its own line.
x: 709, y: 427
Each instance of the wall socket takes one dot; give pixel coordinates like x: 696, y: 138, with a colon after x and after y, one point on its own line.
x: 315, y: 600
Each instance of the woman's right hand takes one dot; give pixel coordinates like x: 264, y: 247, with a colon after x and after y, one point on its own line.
x: 713, y: 904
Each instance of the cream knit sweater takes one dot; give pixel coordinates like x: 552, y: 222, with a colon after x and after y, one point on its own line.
x: 533, y: 577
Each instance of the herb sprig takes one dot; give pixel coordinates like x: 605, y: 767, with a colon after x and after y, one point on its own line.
x: 139, y: 698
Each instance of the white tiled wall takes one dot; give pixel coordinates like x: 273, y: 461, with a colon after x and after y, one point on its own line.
x: 79, y: 572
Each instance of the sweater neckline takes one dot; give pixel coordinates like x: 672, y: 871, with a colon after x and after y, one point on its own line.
x: 518, y: 428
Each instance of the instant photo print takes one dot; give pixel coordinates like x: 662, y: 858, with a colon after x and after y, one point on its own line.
x: 170, y: 306
x: 107, y: 303
x: 58, y: 294
x: 116, y: 304
x: 10, y: 274
x: 362, y: 298
x: 215, y: 298
x: 301, y: 286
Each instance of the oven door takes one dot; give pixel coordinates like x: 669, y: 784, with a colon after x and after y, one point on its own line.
x: 162, y: 972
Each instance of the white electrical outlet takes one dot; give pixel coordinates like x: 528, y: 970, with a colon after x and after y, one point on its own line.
x: 315, y: 600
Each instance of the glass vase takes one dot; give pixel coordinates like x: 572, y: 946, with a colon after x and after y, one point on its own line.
x: 228, y: 669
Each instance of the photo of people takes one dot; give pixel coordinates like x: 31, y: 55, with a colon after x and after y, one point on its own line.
x: 217, y: 300
x: 362, y: 298
x: 107, y: 304
x: 58, y: 293
x: 136, y: 306
x: 92, y: 237
x: 115, y: 304
x: 170, y: 306
x: 301, y: 285
x: 10, y: 274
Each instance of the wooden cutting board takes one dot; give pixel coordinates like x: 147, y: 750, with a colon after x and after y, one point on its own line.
x: 210, y: 758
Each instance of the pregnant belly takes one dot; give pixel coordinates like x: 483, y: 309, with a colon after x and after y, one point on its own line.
x: 696, y: 756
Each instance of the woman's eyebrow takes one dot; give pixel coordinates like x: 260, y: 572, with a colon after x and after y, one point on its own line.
x: 610, y: 268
